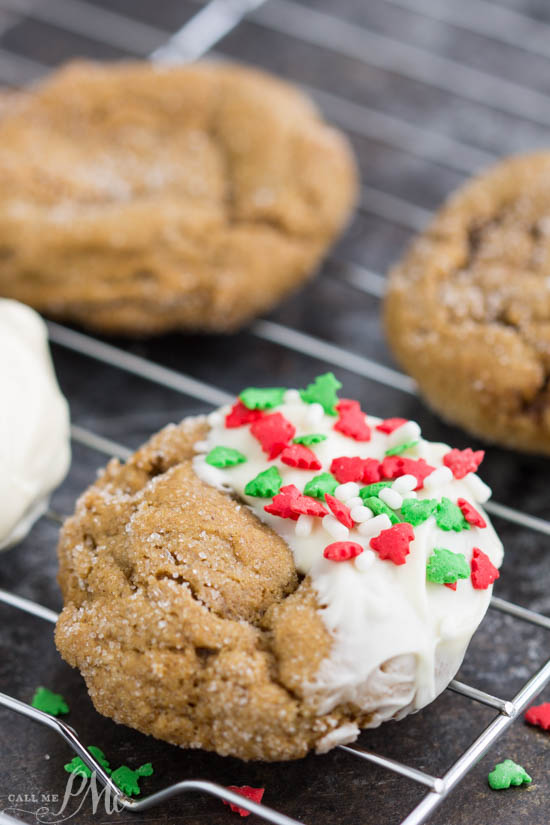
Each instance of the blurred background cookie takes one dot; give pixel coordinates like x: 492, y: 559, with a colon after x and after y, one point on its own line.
x: 468, y: 308
x: 136, y: 198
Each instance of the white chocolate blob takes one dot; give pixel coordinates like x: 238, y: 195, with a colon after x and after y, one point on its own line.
x: 398, y: 639
x: 34, y: 422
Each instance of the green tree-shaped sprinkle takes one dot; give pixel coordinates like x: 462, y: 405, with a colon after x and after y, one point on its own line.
x: 78, y: 766
x: 128, y: 780
x: 508, y: 773
x: 48, y: 702
x: 265, y: 484
x: 308, y: 440
x: 449, y: 516
x: 374, y: 489
x: 417, y: 511
x: 379, y: 508
x: 402, y: 448
x: 262, y: 398
x: 223, y: 457
x: 321, y: 484
x: 323, y: 392
x: 446, y: 567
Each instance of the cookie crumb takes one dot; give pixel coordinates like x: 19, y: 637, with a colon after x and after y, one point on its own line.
x: 340, y: 736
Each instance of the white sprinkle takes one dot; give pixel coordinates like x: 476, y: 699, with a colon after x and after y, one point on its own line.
x: 410, y: 431
x: 291, y: 397
x: 365, y: 560
x: 404, y: 484
x: 361, y: 513
x: 391, y: 497
x: 375, y: 525
x: 304, y: 526
x: 201, y: 446
x: 346, y: 491
x: 335, y: 528
x: 356, y: 501
x: 479, y: 490
x: 314, y: 414
x: 438, y: 478
x: 215, y: 418
x: 412, y: 494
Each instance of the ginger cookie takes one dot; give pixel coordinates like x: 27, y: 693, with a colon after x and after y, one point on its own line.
x: 468, y: 308
x: 273, y: 578
x: 136, y: 199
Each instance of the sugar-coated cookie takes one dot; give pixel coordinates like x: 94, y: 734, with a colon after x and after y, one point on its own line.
x: 34, y: 422
x: 468, y: 307
x: 137, y: 199
x: 273, y: 578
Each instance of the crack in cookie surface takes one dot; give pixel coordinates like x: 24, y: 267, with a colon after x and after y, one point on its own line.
x: 137, y: 624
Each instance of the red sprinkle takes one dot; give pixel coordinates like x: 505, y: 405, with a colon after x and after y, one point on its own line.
x: 298, y: 455
x: 483, y: 570
x: 394, y: 466
x: 308, y: 506
x: 393, y: 543
x: 371, y: 471
x: 340, y: 510
x: 283, y: 502
x: 539, y: 715
x: 255, y: 794
x: 342, y: 550
x: 273, y: 432
x: 390, y: 424
x: 462, y: 462
x: 470, y: 513
x: 451, y: 585
x: 346, y: 469
x: 351, y: 421
x: 391, y: 467
x: 240, y: 415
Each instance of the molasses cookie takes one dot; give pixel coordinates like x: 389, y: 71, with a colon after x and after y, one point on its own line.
x: 136, y: 199
x: 468, y: 308
x: 270, y: 579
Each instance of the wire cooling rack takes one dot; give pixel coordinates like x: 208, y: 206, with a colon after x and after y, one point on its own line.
x: 382, y: 52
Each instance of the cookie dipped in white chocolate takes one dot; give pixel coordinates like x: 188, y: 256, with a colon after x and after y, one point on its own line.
x: 34, y: 422
x: 398, y: 637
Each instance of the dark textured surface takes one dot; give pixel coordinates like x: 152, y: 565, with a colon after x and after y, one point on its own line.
x: 334, y: 788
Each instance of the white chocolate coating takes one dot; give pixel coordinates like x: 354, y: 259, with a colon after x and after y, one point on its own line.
x: 398, y: 638
x: 34, y: 422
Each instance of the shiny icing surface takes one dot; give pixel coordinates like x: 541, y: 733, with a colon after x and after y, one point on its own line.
x: 398, y: 639
x: 34, y: 422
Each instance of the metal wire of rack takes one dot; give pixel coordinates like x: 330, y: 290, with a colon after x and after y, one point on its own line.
x: 207, y: 27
